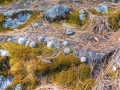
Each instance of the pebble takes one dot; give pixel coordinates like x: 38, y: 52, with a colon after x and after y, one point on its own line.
x: 32, y: 44
x: 67, y: 50
x: 21, y: 40
x: 83, y: 59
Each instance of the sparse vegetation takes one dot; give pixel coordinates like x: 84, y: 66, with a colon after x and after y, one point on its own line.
x: 114, y: 20
x: 6, y: 2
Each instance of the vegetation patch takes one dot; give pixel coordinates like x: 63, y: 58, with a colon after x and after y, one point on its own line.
x: 73, y: 18
x: 6, y: 2
x: 114, y: 20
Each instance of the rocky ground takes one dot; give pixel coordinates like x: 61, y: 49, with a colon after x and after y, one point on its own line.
x: 94, y: 39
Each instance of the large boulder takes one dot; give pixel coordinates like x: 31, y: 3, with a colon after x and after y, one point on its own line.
x: 57, y: 12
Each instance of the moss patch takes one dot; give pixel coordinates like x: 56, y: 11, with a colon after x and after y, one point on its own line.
x: 26, y: 68
x: 6, y: 2
x: 73, y: 18
x: 114, y: 20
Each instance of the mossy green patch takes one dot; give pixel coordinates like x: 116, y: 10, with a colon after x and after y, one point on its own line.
x: 73, y: 18
x: 26, y: 68
x: 94, y: 12
x: 73, y: 76
x: 114, y: 20
x: 6, y: 2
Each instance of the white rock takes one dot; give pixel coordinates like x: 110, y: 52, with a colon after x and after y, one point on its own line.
x: 67, y: 50
x: 114, y: 68
x: 21, y: 40
x: 50, y: 44
x: 66, y: 43
x: 4, y: 53
x: 9, y: 39
x: 41, y: 39
x: 32, y: 44
x: 83, y: 59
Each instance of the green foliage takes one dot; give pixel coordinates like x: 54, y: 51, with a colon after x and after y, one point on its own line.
x: 114, y: 20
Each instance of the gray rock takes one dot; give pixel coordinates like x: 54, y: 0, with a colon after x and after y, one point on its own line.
x: 67, y: 50
x: 36, y: 25
x: 50, y: 44
x: 32, y: 44
x: 18, y: 87
x: 66, y: 43
x: 5, y: 82
x: 9, y: 39
x: 21, y: 40
x: 70, y: 31
x: 41, y: 39
x: 82, y: 15
x: 101, y: 8
x: 57, y: 12
x: 16, y: 21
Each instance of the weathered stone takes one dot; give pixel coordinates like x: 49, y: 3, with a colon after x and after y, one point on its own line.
x: 66, y: 43
x: 9, y: 39
x: 67, y: 50
x: 16, y: 21
x: 70, y: 31
x: 57, y: 12
x: 32, y: 44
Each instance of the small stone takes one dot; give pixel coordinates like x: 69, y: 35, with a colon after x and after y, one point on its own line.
x: 66, y: 43
x: 32, y: 44
x: 114, y: 68
x: 50, y: 44
x: 4, y: 53
x: 36, y: 25
x: 27, y: 43
x: 41, y: 39
x: 67, y: 50
x: 9, y: 39
x: 70, y: 31
x: 21, y: 40
x: 83, y: 59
